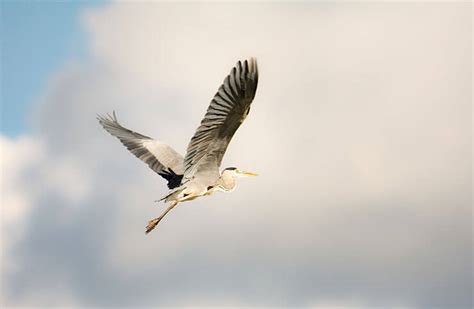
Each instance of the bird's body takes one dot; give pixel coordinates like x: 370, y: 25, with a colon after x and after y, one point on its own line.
x: 197, y: 173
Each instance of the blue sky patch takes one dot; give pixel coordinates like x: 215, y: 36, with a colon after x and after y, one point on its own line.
x: 36, y: 39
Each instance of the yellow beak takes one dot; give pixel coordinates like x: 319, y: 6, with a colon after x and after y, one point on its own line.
x: 249, y: 174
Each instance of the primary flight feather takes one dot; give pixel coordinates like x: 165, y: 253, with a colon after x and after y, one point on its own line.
x: 197, y: 174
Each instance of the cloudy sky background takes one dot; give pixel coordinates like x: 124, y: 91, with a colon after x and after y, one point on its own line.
x: 360, y: 130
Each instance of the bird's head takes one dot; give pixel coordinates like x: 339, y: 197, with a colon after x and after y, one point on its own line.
x: 235, y: 172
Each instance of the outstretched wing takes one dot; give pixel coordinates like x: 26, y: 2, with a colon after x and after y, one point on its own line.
x: 228, y: 109
x: 161, y: 158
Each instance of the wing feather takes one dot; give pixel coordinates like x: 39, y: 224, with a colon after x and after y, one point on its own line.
x: 227, y: 111
x: 161, y: 158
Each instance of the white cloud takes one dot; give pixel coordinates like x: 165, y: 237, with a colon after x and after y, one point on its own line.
x: 29, y: 174
x: 17, y: 158
x: 360, y: 131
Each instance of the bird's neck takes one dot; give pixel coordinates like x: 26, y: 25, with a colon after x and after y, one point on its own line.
x: 227, y: 181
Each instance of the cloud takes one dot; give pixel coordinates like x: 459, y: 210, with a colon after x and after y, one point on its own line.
x: 360, y: 130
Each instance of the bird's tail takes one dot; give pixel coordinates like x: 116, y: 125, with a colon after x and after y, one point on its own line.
x: 173, y: 195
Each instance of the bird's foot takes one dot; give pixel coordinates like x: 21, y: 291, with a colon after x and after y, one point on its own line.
x: 151, y: 225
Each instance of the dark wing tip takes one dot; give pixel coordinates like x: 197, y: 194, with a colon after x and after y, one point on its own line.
x: 250, y: 74
x: 253, y: 68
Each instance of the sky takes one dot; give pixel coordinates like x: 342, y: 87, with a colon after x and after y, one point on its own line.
x: 36, y: 39
x: 360, y: 132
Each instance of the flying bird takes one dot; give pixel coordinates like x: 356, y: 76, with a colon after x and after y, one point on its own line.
x: 197, y: 174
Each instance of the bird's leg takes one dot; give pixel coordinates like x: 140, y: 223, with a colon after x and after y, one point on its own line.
x: 152, y: 223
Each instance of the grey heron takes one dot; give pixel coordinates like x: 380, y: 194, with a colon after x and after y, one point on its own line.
x: 197, y: 174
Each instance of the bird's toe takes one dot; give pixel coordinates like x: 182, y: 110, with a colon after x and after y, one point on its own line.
x: 151, y: 225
